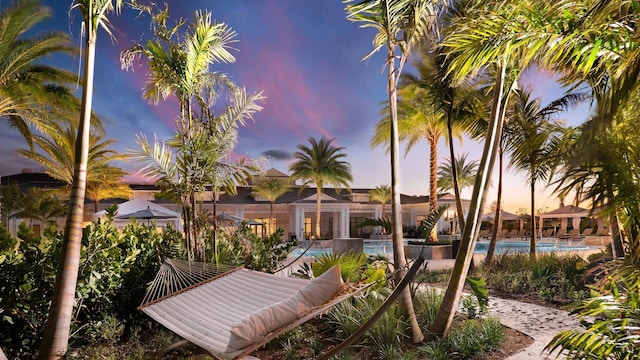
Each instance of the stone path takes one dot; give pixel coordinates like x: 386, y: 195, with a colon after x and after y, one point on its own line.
x: 539, y: 322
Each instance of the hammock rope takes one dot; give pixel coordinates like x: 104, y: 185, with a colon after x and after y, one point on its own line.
x: 176, y: 276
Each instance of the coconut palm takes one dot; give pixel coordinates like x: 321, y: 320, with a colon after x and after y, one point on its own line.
x: 271, y: 189
x: 398, y: 25
x: 31, y: 93
x: 321, y: 164
x: 533, y: 139
x: 56, y: 334
x: 56, y: 155
x: 417, y: 120
x: 466, y: 173
x: 381, y: 194
x: 42, y: 205
x: 455, y: 100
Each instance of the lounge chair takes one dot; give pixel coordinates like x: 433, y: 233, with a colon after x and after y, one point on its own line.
x: 237, y: 311
x: 547, y: 233
x: 573, y: 234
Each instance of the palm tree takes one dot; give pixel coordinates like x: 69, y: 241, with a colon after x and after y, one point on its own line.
x: 42, y: 205
x: 321, y: 164
x: 271, y: 189
x: 182, y: 68
x: 31, y: 93
x: 104, y: 181
x: 399, y: 25
x: 472, y: 47
x: 417, y: 120
x: 381, y: 194
x: 455, y: 101
x: 466, y: 173
x: 533, y: 138
x: 56, y: 334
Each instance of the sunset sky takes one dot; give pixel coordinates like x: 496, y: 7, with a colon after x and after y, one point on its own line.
x: 306, y: 58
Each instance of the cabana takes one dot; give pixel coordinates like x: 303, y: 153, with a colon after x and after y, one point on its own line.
x: 504, y: 216
x: 563, y: 214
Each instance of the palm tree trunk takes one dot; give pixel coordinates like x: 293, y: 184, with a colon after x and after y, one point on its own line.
x: 318, y: 208
x: 616, y: 238
x: 532, y: 240
x: 399, y: 261
x: 270, y: 217
x: 451, y: 298
x: 56, y: 334
x: 454, y: 174
x: 497, y: 219
x: 433, y: 184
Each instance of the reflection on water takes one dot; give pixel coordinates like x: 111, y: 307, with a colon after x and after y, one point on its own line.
x: 384, y: 247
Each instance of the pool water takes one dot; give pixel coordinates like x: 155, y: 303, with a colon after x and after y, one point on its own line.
x: 374, y: 247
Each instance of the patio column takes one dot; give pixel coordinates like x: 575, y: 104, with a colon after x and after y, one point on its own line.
x: 336, y: 226
x: 413, y: 217
x: 344, y: 223
x: 299, y: 223
x: 377, y: 214
x: 576, y: 222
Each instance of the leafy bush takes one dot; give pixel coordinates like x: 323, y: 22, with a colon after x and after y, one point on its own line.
x: 114, y: 270
x: 467, y: 340
x: 243, y: 247
x: 551, y: 277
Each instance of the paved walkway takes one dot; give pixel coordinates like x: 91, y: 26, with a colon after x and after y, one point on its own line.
x: 539, y: 322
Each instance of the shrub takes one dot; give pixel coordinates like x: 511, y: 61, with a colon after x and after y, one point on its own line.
x: 466, y: 340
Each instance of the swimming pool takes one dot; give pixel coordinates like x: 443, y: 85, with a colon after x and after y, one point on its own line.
x: 384, y: 247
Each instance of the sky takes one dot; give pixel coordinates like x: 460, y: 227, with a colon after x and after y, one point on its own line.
x: 306, y: 58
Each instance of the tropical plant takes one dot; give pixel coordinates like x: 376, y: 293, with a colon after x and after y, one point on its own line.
x: 11, y: 201
x: 57, y: 156
x: 417, y: 120
x: 472, y: 49
x: 399, y: 25
x: 32, y: 93
x: 42, y: 205
x: 56, y: 334
x: 533, y: 139
x: 321, y: 164
x: 611, y: 317
x: 381, y: 222
x: 455, y: 102
x: 271, y: 189
x: 466, y: 171
x: 196, y: 157
x: 381, y: 194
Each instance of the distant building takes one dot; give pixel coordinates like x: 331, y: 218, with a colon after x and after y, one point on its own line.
x: 294, y: 211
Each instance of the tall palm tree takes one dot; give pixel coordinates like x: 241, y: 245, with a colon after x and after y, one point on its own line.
x: 182, y: 68
x: 271, y: 189
x: 56, y: 155
x: 321, y: 164
x: 533, y: 138
x: 417, y: 120
x: 466, y: 173
x: 41, y: 205
x: 454, y: 100
x: 471, y: 43
x: 31, y: 93
x: 56, y: 334
x: 381, y: 194
x: 399, y: 25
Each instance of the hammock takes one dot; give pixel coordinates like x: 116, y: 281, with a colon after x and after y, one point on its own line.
x: 231, y: 312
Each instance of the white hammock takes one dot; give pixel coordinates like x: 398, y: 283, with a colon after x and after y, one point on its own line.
x: 237, y: 311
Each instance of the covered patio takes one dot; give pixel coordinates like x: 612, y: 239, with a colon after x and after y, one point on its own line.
x: 558, y: 219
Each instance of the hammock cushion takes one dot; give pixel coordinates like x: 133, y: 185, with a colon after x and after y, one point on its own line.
x: 255, y: 326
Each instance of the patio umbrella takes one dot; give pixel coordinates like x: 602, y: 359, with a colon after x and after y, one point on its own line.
x: 228, y: 217
x: 147, y: 214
